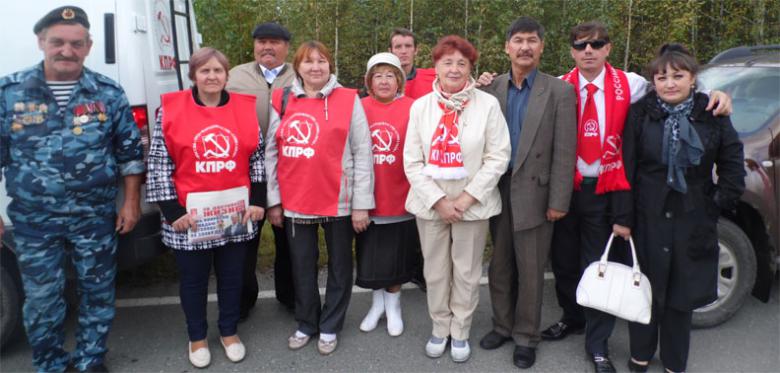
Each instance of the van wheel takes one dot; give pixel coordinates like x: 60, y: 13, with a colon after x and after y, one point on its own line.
x: 736, y: 276
x: 10, y: 304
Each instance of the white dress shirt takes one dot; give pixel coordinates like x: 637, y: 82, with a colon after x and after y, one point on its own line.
x: 638, y: 87
x: 275, y: 70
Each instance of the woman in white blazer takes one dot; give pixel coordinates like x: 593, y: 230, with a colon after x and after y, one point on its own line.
x: 457, y: 147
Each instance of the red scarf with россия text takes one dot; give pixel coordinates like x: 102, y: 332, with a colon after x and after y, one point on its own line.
x: 617, y: 100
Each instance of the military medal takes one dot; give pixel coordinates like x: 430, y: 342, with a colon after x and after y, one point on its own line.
x: 102, y: 117
x: 77, y: 131
x: 26, y: 119
x: 76, y: 121
x: 38, y: 119
x: 31, y: 106
x: 43, y: 108
x: 19, y: 107
x: 84, y: 119
x: 17, y: 127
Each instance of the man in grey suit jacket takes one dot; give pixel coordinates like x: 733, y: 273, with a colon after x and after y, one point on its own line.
x: 535, y: 190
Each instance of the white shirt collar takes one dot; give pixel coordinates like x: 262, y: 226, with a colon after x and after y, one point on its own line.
x: 598, y: 82
x: 275, y: 69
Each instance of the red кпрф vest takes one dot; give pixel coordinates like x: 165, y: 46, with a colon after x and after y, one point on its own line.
x: 210, y: 146
x: 311, y: 139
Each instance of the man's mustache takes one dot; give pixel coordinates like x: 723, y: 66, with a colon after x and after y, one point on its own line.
x: 63, y: 58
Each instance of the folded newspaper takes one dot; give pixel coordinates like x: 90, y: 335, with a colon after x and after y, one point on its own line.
x: 219, y: 214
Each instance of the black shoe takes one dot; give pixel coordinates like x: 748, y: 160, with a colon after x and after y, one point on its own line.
x: 524, y: 357
x: 493, y: 340
x: 634, y: 367
x: 601, y: 363
x: 560, y: 330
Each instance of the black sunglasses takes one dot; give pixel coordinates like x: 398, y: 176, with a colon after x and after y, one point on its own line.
x: 595, y: 44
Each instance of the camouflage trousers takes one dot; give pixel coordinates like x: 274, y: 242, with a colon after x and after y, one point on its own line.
x: 41, y: 240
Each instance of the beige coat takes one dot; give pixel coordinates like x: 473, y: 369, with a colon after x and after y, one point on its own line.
x: 484, y: 139
x: 248, y: 78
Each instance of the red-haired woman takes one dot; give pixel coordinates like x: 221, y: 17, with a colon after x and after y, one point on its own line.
x: 457, y: 147
x: 320, y: 173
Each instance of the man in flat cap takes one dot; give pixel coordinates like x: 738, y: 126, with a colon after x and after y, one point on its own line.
x: 260, y: 77
x: 66, y: 137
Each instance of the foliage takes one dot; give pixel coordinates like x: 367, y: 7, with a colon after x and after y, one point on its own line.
x: 356, y: 29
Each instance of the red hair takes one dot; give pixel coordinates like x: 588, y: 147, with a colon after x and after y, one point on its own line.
x: 452, y: 43
x: 305, y: 50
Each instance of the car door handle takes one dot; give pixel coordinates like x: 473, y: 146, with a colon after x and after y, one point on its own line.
x: 767, y: 164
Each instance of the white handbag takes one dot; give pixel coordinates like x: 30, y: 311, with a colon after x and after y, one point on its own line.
x: 616, y: 288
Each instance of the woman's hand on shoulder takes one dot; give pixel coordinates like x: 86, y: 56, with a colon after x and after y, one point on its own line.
x: 253, y: 213
x: 360, y: 220
x: 720, y: 103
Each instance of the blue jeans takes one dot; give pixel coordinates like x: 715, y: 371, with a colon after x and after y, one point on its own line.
x: 194, y: 268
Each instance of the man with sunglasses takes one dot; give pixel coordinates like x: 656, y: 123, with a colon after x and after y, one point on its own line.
x: 597, y: 207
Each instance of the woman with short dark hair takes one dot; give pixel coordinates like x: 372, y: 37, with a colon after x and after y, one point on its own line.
x: 671, y: 145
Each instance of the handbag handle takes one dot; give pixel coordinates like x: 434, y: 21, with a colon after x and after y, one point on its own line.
x: 603, y: 260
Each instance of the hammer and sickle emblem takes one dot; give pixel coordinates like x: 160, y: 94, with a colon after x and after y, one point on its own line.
x: 590, y: 126
x: 383, y: 140
x: 299, y: 137
x: 216, y: 146
x: 613, y: 144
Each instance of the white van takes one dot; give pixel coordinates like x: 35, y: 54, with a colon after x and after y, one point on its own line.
x: 142, y: 44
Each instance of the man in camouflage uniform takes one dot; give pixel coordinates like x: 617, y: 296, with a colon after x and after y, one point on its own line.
x: 66, y: 138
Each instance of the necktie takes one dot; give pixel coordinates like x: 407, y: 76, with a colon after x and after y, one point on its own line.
x: 270, y: 75
x: 589, y: 144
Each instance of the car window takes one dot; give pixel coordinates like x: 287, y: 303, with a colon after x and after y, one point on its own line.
x: 755, y: 92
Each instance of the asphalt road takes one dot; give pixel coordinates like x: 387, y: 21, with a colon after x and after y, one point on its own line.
x: 152, y: 338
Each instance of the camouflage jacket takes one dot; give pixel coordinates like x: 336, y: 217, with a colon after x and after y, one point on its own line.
x: 66, y: 161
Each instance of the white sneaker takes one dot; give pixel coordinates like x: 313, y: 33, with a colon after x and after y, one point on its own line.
x: 460, y: 350
x: 395, y: 323
x: 201, y: 358
x: 435, y: 347
x: 375, y: 312
x: 234, y: 352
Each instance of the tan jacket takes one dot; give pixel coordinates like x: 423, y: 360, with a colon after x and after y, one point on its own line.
x: 484, y: 140
x: 248, y: 78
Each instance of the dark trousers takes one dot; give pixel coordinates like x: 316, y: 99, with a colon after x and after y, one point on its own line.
x: 194, y: 267
x: 282, y: 271
x: 578, y: 240
x: 312, y: 317
x: 675, y: 333
x: 516, y: 273
x: 283, y: 275
x: 250, y: 288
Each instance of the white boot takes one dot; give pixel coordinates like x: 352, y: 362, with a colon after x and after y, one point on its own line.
x: 395, y: 323
x: 375, y: 312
